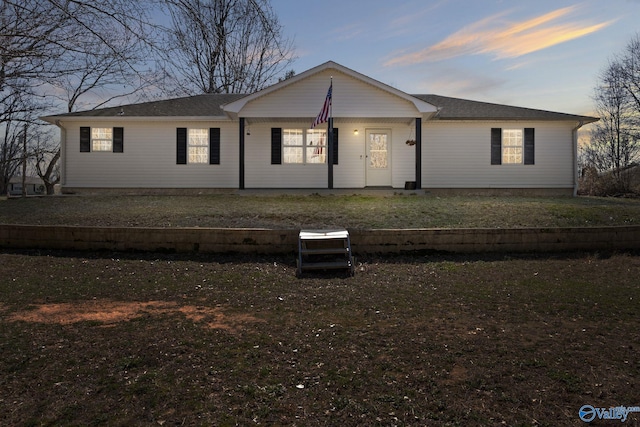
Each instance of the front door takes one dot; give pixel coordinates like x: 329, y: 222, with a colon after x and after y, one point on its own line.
x: 378, y: 168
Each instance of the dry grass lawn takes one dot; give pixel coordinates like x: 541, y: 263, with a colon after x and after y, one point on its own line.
x: 315, y: 211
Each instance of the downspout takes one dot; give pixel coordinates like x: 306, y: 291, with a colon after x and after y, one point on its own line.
x: 574, y: 134
x: 63, y: 154
x: 418, y: 153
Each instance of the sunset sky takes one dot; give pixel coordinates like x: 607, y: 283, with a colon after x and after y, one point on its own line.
x: 541, y: 54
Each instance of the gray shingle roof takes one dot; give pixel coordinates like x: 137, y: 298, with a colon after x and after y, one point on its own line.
x: 190, y: 106
x: 210, y: 106
x: 464, y: 109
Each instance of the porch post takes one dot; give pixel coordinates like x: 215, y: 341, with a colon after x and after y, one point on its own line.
x: 330, y: 153
x: 418, y: 153
x: 241, y: 155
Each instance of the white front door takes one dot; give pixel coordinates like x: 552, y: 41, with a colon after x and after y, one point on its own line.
x: 378, y: 168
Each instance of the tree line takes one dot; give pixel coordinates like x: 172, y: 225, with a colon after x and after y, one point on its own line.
x: 82, y: 55
x: 610, y: 157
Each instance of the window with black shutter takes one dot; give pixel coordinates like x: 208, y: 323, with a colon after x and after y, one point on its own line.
x: 512, y: 146
x: 101, y: 139
x: 300, y: 146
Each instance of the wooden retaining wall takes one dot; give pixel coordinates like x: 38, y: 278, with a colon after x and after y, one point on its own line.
x: 212, y: 240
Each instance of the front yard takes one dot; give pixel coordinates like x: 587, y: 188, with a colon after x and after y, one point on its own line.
x: 102, y: 338
x: 315, y: 211
x: 149, y: 339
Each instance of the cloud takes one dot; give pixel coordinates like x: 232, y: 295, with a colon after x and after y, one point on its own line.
x: 348, y: 32
x: 461, y: 82
x: 493, y: 36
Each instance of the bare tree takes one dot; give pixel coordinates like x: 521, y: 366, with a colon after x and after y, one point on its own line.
x: 225, y: 46
x: 611, y: 135
x: 615, y: 139
x: 66, y: 49
x: 45, y: 156
x: 630, y: 64
x: 10, y: 155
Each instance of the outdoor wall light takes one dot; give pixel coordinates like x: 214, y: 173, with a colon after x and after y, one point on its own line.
x: 355, y: 131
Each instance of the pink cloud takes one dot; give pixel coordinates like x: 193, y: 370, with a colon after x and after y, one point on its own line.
x: 493, y: 36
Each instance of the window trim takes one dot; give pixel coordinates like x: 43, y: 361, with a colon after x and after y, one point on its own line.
x: 213, y: 143
x: 103, y: 137
x: 519, y: 146
x: 528, y: 146
x: 87, y: 140
x: 276, y: 147
x: 204, y: 143
x: 304, y: 146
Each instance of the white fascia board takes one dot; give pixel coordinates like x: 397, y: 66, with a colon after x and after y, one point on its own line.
x: 97, y: 119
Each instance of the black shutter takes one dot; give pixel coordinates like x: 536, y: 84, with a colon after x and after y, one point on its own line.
x: 118, y: 140
x: 335, y: 146
x: 214, y: 146
x: 496, y: 146
x: 276, y: 146
x: 529, y: 146
x: 181, y: 146
x: 85, y: 139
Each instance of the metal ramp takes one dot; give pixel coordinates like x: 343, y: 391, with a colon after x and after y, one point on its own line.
x: 324, y: 249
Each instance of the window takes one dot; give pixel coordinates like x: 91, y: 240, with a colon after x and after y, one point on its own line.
x: 316, y: 145
x: 293, y: 145
x: 198, y: 146
x: 301, y: 146
x: 512, y: 148
x: 101, y: 139
x: 297, y: 146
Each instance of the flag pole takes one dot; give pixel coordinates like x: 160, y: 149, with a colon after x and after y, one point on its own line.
x: 330, y: 141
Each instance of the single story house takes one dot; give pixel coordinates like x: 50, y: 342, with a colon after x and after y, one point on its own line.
x: 33, y: 184
x: 381, y: 137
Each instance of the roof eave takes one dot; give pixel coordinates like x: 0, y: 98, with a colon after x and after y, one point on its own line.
x: 66, y: 118
x: 583, y: 120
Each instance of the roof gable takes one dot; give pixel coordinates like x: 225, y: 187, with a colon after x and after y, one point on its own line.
x: 307, y: 81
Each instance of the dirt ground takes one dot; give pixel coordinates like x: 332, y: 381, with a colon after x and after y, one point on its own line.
x: 157, y: 339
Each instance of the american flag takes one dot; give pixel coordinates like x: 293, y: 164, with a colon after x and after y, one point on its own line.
x: 326, y: 109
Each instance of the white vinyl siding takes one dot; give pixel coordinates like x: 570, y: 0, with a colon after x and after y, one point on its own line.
x: 260, y: 173
x: 150, y: 158
x: 457, y: 154
x: 348, y: 173
x: 351, y: 98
